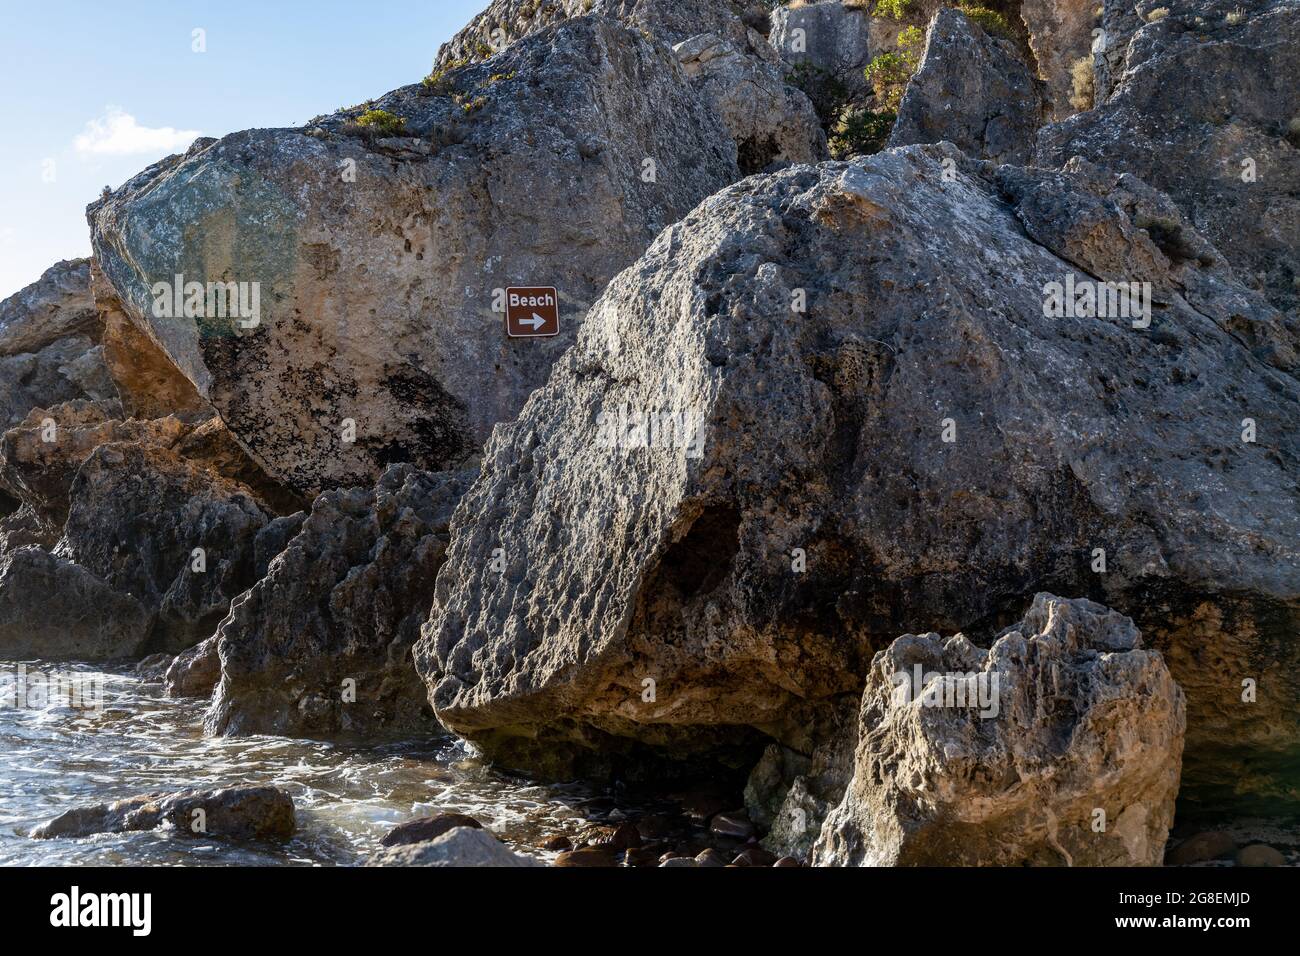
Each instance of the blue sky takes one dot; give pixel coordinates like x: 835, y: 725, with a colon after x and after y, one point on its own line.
x: 95, y: 90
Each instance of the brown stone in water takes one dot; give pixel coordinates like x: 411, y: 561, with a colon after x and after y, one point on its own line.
x: 427, y: 828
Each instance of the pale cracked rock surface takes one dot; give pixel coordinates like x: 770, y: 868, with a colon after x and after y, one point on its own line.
x: 137, y: 515
x: 505, y: 22
x: 1004, y: 756
x: 770, y: 121
x: 828, y: 36
x: 972, y: 90
x: 50, y: 348
x: 376, y: 295
x: 55, y: 306
x: 344, y: 601
x: 1202, y: 111
x: 822, y: 448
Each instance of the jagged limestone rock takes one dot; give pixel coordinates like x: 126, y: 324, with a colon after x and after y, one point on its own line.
x: 1202, y: 111
x: 53, y: 610
x: 321, y: 645
x: 1058, y: 745
x: 168, y: 532
x: 972, y: 90
x: 770, y: 121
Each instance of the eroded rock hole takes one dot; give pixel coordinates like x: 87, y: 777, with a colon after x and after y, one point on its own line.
x: 700, y: 561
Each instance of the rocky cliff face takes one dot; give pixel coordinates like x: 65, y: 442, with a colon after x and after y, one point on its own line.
x: 505, y: 22
x: 786, y: 419
x: 927, y: 440
x: 1202, y: 111
x: 49, y: 344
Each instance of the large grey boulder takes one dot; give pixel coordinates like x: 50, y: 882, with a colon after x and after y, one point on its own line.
x: 232, y: 813
x: 921, y: 446
x: 972, y: 90
x: 377, y: 256
x: 830, y: 37
x: 169, y: 532
x: 1202, y: 111
x: 1058, y: 745
x: 55, y: 306
x: 53, y: 610
x: 49, y: 344
x: 462, y: 846
x: 770, y: 121
x: 321, y: 645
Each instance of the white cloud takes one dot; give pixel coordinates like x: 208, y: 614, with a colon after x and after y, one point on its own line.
x: 116, y: 133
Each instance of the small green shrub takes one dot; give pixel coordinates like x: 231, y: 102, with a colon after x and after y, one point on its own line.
x: 895, y: 9
x: 438, y: 82
x: 992, y: 22
x: 1293, y: 132
x: 382, y: 123
x: 860, y: 132
x: 827, y: 92
x: 888, y: 75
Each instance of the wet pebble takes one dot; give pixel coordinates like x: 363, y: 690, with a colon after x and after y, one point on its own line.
x: 732, y: 825
x: 588, y: 856
x: 711, y: 857
x: 427, y: 828
x: 1260, y: 854
x: 557, y: 842
x: 1209, y: 845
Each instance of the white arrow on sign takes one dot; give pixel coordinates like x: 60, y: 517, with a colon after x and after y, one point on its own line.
x: 536, y: 322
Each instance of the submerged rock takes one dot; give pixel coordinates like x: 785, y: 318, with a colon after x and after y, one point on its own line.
x: 427, y: 828
x: 1059, y: 745
x: 53, y: 610
x: 920, y: 444
x: 972, y: 90
x: 321, y: 645
x: 233, y: 813
x: 194, y: 672
x: 375, y: 338
x: 462, y: 846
